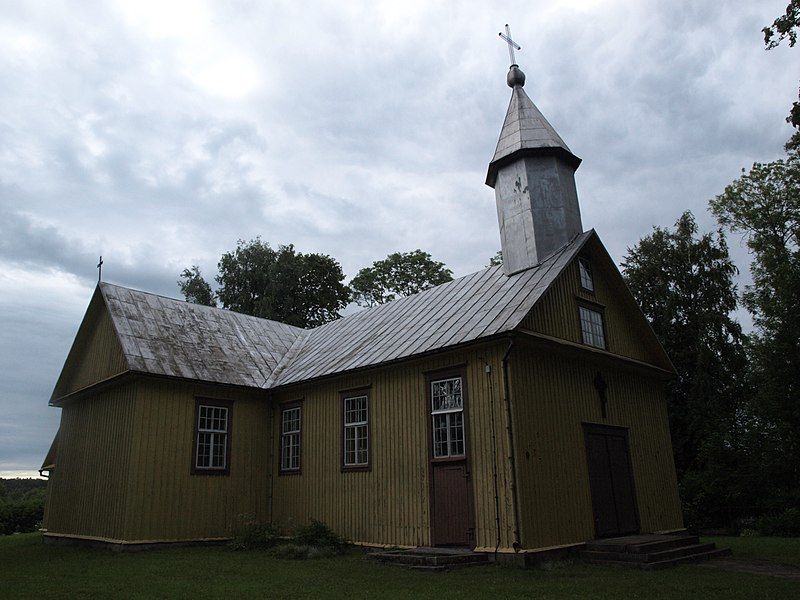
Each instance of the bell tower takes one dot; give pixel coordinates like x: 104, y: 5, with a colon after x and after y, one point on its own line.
x: 533, y: 176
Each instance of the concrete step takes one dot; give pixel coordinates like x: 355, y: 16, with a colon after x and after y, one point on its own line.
x: 691, y: 558
x: 638, y: 557
x: 680, y: 541
x: 429, y: 560
x: 641, y: 544
x: 665, y: 562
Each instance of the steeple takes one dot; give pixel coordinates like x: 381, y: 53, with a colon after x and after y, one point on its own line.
x: 533, y: 176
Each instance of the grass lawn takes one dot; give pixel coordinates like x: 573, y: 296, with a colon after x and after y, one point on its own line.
x: 29, y: 569
x: 785, y: 551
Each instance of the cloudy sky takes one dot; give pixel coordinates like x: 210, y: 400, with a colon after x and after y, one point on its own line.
x: 156, y: 133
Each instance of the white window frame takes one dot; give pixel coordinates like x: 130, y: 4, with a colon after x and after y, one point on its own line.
x: 449, y: 414
x: 291, y: 439
x: 217, y: 436
x: 359, y: 428
x: 586, y: 275
x: 593, y: 327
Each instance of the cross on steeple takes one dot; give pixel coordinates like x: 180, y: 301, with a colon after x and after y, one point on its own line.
x: 100, y: 270
x: 511, y: 44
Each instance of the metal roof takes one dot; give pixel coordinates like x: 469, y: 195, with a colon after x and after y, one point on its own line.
x: 476, y: 306
x: 526, y: 131
x: 164, y: 336
x: 171, y: 337
x: 525, y: 127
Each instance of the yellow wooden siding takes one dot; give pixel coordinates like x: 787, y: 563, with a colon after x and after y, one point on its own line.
x: 553, y: 394
x: 87, y: 491
x: 167, y: 502
x: 96, y: 353
x: 390, y: 504
x: 627, y: 334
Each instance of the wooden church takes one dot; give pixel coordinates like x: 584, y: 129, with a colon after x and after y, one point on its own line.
x: 516, y: 409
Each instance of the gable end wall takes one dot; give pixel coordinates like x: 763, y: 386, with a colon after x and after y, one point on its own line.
x: 627, y: 333
x: 553, y: 394
x: 96, y: 353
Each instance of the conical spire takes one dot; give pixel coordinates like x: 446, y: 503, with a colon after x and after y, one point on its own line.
x: 526, y: 131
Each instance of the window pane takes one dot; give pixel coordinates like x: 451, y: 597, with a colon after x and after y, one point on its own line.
x: 456, y: 430
x: 290, y: 451
x: 212, y: 438
x: 355, y: 410
x: 218, y: 444
x: 203, y: 450
x: 440, y: 425
x: 290, y: 438
x: 586, y: 274
x: 356, y: 445
x: 446, y: 395
x: 291, y: 420
x: 447, y: 406
x: 356, y: 434
x: 592, y: 327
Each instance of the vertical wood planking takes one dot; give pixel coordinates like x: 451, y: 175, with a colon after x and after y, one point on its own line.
x: 556, y: 314
x: 87, y: 494
x: 96, y: 353
x: 167, y: 500
x: 390, y: 503
x: 123, y: 467
x: 554, y: 395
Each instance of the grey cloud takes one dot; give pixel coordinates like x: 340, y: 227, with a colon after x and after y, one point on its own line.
x: 371, y: 134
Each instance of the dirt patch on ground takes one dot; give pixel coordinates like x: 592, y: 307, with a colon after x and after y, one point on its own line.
x: 757, y: 567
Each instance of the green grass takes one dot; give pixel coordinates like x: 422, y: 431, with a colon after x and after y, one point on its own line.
x: 785, y: 551
x: 29, y: 569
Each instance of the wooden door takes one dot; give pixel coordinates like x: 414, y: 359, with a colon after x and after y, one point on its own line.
x: 452, y: 523
x: 611, y: 480
x: 452, y: 520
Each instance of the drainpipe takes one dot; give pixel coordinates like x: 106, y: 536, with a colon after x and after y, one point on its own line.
x: 510, y: 435
x: 494, y: 458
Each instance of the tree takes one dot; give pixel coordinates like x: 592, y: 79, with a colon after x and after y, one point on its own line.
x: 683, y: 282
x: 399, y: 274
x: 304, y: 290
x: 194, y: 288
x: 496, y: 260
x: 784, y: 27
x: 764, y: 205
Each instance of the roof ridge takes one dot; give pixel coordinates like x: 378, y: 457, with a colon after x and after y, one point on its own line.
x: 104, y: 284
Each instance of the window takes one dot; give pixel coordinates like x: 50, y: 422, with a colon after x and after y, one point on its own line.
x: 212, y: 437
x: 592, y: 327
x: 447, y: 414
x: 355, y: 438
x: 585, y: 268
x: 291, y: 422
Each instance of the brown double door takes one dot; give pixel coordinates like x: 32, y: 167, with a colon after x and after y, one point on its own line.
x: 611, y: 480
x: 452, y: 522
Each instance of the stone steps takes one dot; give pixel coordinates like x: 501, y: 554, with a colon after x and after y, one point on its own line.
x: 651, y: 552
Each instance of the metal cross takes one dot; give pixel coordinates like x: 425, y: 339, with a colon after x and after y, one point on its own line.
x: 511, y: 44
x: 100, y: 270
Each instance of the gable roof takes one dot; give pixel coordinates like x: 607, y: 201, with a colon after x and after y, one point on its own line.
x: 165, y: 336
x: 174, y: 338
x: 472, y: 307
